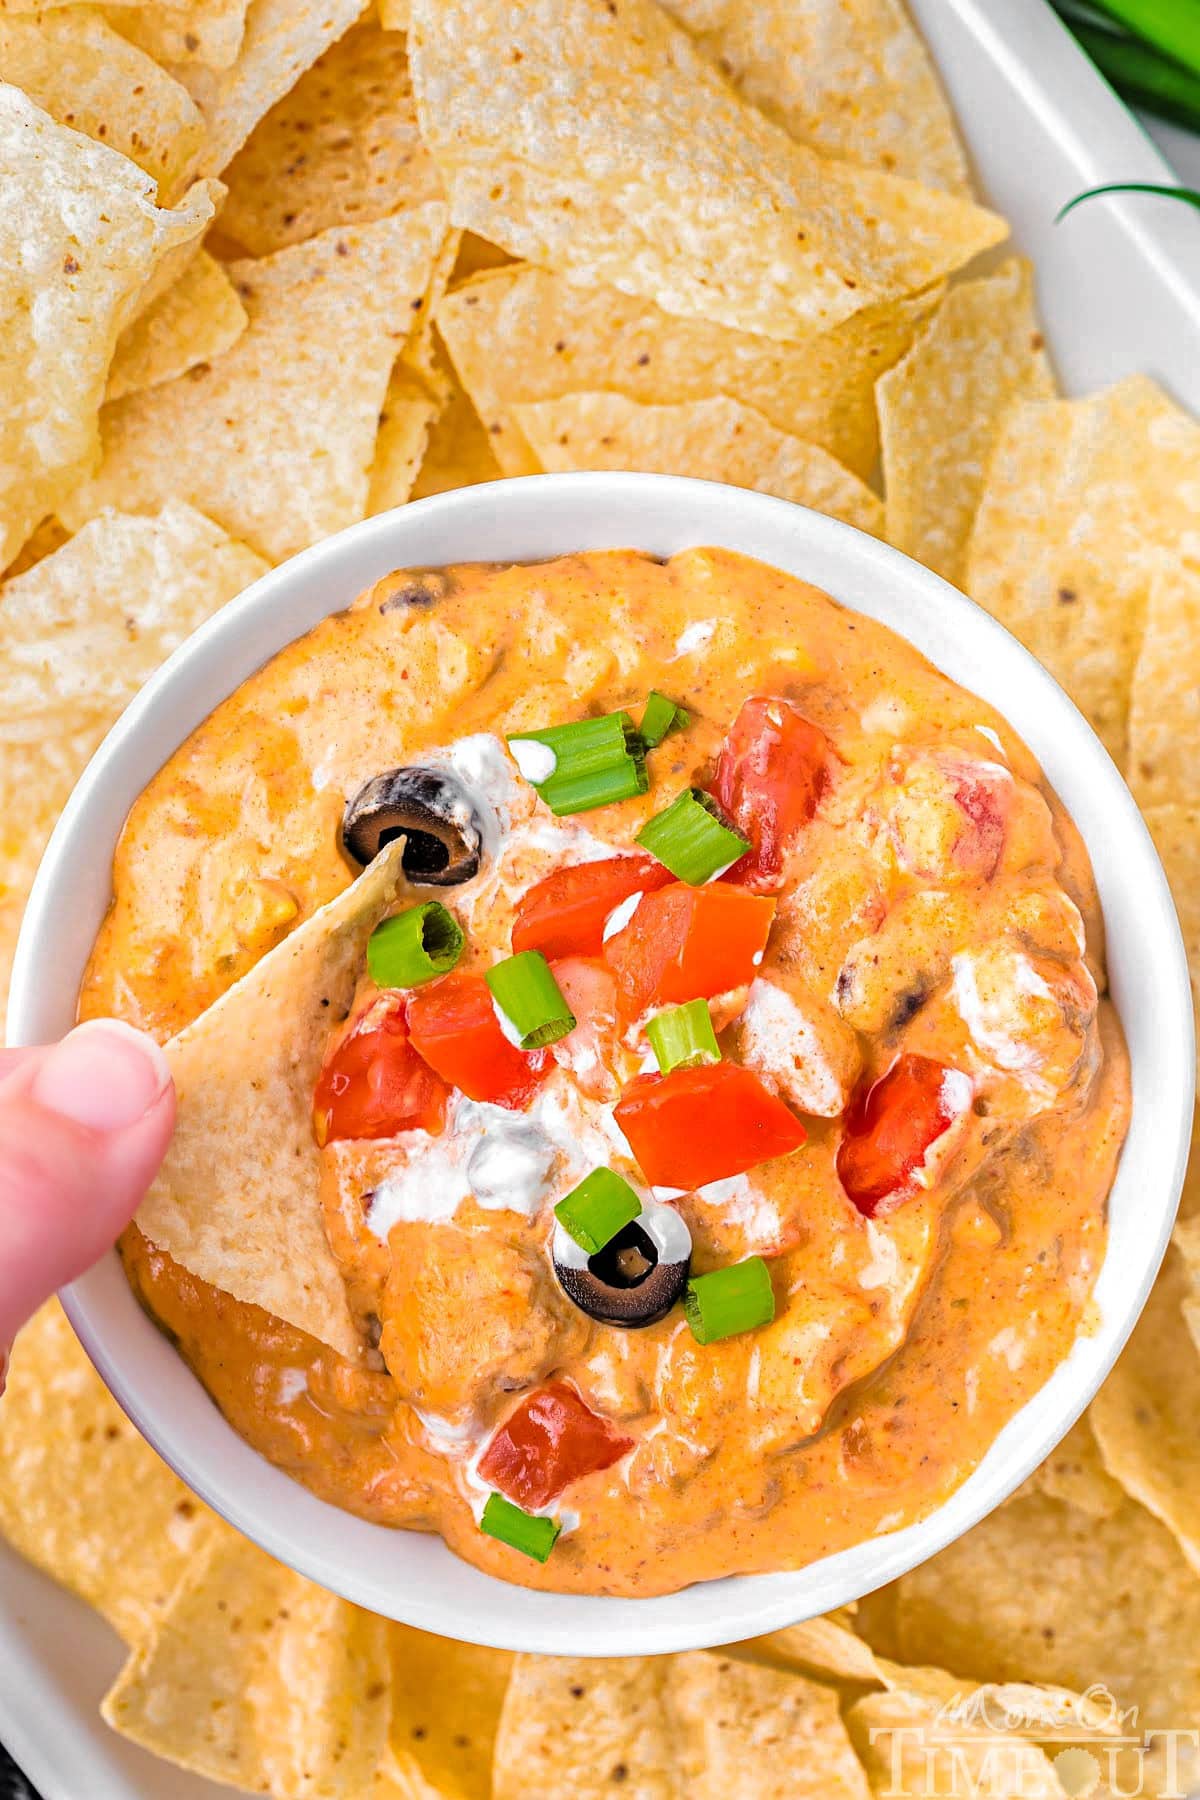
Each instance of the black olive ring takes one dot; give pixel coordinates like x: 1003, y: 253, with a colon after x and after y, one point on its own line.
x: 428, y: 807
x: 637, y: 1277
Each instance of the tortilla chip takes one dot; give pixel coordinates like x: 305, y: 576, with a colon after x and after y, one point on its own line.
x: 716, y: 440
x: 236, y: 1200
x: 170, y: 268
x: 197, y: 319
x: 941, y: 407
x: 82, y: 631
x: 459, y: 451
x: 1147, y: 1415
x: 1081, y: 499
x: 521, y: 335
x: 446, y: 1704
x: 1176, y: 834
x: 74, y: 66
x: 275, y: 438
x: 1187, y: 1241
x: 79, y: 633
x: 599, y: 141
x: 409, y: 412
x: 282, y: 39
x: 341, y: 148
x: 203, y: 31
x: 476, y: 254
x: 698, y: 1725
x: 1164, y: 706
x: 259, y: 1678
x: 909, y: 1746
x: 49, y: 536
x: 1075, y: 1471
x: 79, y: 236
x: 1041, y: 1591
x: 82, y: 1495
x: 827, y: 1647
x: 854, y: 81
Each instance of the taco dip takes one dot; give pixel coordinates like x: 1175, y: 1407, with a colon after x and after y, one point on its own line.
x: 648, y: 1095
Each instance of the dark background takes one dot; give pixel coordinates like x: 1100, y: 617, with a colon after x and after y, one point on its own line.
x: 13, y: 1785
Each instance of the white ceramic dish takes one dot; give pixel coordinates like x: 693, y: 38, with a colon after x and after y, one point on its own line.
x: 407, y: 1575
x: 1119, y: 286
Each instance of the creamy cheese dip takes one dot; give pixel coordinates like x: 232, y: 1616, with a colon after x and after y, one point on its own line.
x: 935, y: 912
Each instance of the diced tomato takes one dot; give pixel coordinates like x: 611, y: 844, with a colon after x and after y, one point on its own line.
x: 565, y: 914
x: 552, y: 1439
x: 982, y: 844
x: 688, y: 943
x: 891, y: 1125
x: 589, y: 987
x: 374, y: 1084
x: 772, y: 772
x: 454, y: 1026
x: 700, y: 1125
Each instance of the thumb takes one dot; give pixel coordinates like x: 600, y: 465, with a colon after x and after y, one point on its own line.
x: 84, y: 1125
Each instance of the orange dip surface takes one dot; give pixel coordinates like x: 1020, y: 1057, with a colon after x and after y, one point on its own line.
x: 938, y: 905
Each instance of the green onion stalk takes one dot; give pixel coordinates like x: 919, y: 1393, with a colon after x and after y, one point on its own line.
x: 1148, y: 50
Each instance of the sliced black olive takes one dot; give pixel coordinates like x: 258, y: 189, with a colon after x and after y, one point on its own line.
x: 410, y: 590
x: 637, y: 1277
x: 432, y: 809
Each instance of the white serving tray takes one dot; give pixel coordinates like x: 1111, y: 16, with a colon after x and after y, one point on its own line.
x: 1119, y: 284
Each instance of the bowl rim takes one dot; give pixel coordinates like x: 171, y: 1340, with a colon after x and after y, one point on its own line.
x: 590, y: 511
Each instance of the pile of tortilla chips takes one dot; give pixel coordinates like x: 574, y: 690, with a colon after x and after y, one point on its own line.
x: 267, y: 266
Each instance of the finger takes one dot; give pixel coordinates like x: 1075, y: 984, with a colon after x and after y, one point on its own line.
x: 84, y: 1125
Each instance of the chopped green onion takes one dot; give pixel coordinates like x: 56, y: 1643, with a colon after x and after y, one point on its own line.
x: 526, y: 1532
x: 524, y: 988
x: 660, y: 716
x: 595, y: 762
x: 414, y: 946
x: 730, y: 1300
x: 594, y: 1212
x: 692, y: 838
x: 683, y: 1037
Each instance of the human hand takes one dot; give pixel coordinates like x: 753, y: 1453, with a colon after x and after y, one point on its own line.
x: 84, y: 1125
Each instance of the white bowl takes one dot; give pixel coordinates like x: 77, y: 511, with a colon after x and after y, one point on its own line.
x: 415, y: 1578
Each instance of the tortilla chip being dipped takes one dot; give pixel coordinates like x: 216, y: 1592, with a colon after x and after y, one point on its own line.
x: 236, y: 1200
x: 601, y: 141
x: 715, y: 440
